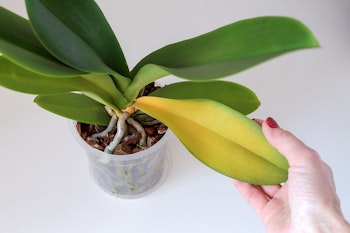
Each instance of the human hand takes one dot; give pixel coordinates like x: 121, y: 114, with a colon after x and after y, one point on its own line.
x: 308, y: 201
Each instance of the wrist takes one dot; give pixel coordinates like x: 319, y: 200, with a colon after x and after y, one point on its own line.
x: 340, y: 225
x: 327, y: 221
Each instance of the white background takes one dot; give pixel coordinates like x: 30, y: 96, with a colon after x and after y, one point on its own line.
x: 44, y: 181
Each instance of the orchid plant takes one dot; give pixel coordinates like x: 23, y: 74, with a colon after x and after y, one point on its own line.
x: 67, y: 54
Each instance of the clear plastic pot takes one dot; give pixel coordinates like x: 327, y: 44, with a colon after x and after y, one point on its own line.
x: 128, y: 176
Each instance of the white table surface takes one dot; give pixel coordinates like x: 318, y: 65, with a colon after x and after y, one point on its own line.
x: 45, y: 185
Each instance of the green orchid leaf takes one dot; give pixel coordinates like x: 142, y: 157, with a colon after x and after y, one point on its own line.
x: 220, y: 137
x: 147, y: 74
x: 77, y: 33
x: 120, y: 82
x: 103, y: 85
x: 231, y: 94
x: 74, y: 106
x: 19, y: 44
x: 19, y: 79
x: 230, y: 49
x: 97, y: 86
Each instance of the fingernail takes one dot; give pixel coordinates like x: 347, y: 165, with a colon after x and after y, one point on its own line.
x: 271, y: 123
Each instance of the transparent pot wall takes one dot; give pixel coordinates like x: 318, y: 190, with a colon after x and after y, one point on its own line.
x: 128, y: 176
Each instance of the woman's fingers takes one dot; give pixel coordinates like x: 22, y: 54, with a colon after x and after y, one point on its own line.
x: 296, y: 152
x: 256, y: 196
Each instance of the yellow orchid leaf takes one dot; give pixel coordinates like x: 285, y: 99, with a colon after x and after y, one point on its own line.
x: 220, y: 137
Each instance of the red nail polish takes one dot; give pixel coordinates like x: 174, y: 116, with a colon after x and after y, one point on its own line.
x: 271, y: 123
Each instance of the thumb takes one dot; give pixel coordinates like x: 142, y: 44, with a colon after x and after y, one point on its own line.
x: 296, y: 152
